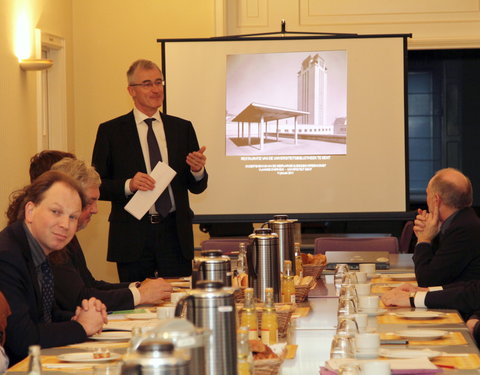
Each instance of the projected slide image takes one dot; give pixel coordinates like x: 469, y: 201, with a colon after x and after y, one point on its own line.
x: 286, y: 103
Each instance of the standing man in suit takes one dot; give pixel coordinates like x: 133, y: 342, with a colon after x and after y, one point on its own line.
x: 161, y: 243
x: 448, y: 246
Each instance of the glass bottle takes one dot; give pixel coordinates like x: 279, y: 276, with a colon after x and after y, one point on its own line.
x: 34, y: 364
x: 248, y: 317
x: 288, y: 283
x: 269, y: 327
x: 242, y: 266
x: 298, y: 260
x: 242, y: 257
x: 244, y: 356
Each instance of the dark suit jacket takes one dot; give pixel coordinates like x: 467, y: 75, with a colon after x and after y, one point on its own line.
x: 117, y: 156
x: 461, y: 296
x: 452, y: 256
x: 74, y: 282
x: 19, y: 284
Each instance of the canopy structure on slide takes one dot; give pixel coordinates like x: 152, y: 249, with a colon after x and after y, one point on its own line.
x: 262, y: 114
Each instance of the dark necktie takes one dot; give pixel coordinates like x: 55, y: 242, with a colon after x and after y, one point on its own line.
x: 163, y: 204
x: 47, y: 291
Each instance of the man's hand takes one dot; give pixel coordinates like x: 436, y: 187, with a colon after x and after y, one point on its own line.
x: 419, y: 223
x: 92, y: 315
x: 154, y: 291
x: 396, y: 297
x: 141, y: 181
x: 196, y: 160
x: 431, y: 225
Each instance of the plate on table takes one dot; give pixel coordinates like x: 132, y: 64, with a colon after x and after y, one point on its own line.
x: 408, y: 353
x: 403, y: 276
x: 421, y: 334
x: 112, y: 335
x: 86, y: 357
x: 141, y: 316
x: 419, y: 314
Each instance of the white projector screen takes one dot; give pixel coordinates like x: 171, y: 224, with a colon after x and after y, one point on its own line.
x: 312, y: 128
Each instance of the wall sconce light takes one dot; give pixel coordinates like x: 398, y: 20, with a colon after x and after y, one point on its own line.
x: 35, y: 64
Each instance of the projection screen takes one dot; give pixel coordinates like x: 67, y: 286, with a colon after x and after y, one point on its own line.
x: 310, y: 127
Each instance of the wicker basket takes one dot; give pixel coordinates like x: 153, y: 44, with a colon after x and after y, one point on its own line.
x: 313, y: 270
x: 301, y: 291
x: 239, y: 295
x: 267, y: 366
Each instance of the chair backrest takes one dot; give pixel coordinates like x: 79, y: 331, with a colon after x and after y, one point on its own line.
x: 406, y: 237
x: 323, y: 244
x: 227, y: 245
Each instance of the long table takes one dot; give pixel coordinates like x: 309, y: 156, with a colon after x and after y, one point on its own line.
x: 313, y: 333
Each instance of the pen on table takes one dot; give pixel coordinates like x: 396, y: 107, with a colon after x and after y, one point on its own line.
x: 393, y: 342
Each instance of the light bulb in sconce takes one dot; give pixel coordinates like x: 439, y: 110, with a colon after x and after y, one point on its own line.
x: 35, y: 64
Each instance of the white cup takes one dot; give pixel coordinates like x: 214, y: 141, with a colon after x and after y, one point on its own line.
x: 363, y: 289
x: 367, y: 268
x: 367, y: 341
x: 166, y: 311
x: 367, y: 345
x: 375, y: 368
x: 176, y: 296
x: 368, y: 302
x: 361, y: 277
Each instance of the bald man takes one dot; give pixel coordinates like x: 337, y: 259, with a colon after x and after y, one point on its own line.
x: 448, y: 247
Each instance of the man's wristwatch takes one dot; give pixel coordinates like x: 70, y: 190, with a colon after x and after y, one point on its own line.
x: 412, y: 299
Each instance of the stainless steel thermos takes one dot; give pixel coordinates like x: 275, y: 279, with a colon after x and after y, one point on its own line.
x: 264, y: 263
x: 211, y: 265
x: 211, y: 306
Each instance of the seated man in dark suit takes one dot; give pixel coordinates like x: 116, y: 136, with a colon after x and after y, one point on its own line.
x: 448, y: 247
x: 74, y: 280
x: 47, y: 213
x: 461, y: 296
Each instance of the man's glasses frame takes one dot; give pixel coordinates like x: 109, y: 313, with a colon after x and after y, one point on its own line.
x: 149, y: 84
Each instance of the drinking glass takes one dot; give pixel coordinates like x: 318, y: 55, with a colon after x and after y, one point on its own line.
x: 349, y: 369
x: 340, y: 270
x: 347, y: 326
x: 350, y: 278
x: 346, y: 306
x: 350, y: 291
x: 342, y: 347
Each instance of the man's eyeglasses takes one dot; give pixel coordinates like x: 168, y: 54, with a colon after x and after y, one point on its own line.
x: 150, y: 84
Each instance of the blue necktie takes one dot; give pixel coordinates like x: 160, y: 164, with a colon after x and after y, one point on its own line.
x: 163, y: 204
x: 47, y: 291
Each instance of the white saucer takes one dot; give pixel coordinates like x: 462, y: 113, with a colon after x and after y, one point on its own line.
x: 372, y: 312
x: 421, y: 334
x: 408, y: 353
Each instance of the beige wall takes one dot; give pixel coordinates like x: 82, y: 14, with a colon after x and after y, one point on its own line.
x: 18, y: 88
